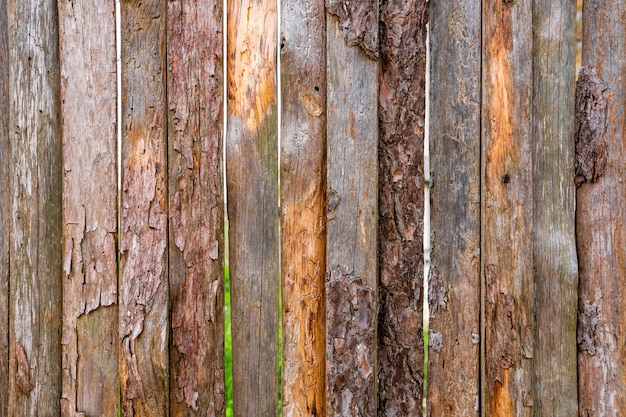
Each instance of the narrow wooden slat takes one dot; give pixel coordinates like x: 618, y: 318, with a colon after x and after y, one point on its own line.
x: 252, y: 182
x: 144, y: 322
x: 90, y: 322
x: 303, y: 197
x: 554, y: 251
x: 507, y: 202
x: 352, y: 212
x: 401, y: 206
x: 36, y: 218
x: 454, y: 282
x: 600, y: 211
x: 196, y: 228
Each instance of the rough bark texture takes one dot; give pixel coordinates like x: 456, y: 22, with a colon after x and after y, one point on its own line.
x: 303, y: 197
x: 600, y: 215
x: 144, y: 323
x: 36, y: 219
x: 507, y: 216
x: 5, y: 210
x: 352, y: 216
x: 252, y: 181
x: 401, y: 204
x: 554, y: 251
x: 88, y: 88
x: 358, y: 21
x: 196, y: 232
x: 454, y: 282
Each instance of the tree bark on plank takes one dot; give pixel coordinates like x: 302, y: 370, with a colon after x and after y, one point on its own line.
x: 600, y: 215
x: 36, y: 218
x: 90, y: 319
x: 144, y: 321
x: 507, y: 209
x: 196, y: 219
x: 352, y: 212
x: 303, y: 205
x: 401, y: 204
x: 554, y: 251
x: 252, y: 184
x: 454, y: 281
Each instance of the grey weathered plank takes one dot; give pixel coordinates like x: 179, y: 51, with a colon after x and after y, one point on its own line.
x: 401, y: 112
x: 252, y: 181
x: 196, y: 208
x: 303, y: 197
x: 454, y: 282
x: 352, y: 214
x: 90, y: 322
x: 600, y: 211
x: 554, y: 251
x: 507, y: 208
x: 143, y: 287
x: 36, y: 219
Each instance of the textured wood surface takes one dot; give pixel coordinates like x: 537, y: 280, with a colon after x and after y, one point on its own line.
x: 196, y: 220
x: 90, y: 321
x: 36, y: 219
x: 600, y: 211
x: 554, y: 251
x: 252, y: 182
x: 401, y: 204
x: 454, y: 281
x: 352, y: 214
x: 507, y: 216
x: 303, y: 198
x: 144, y: 322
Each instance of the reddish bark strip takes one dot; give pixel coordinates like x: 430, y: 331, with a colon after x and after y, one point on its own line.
x: 90, y: 363
x: 252, y: 181
x: 352, y: 215
x: 144, y: 323
x: 507, y: 215
x: 601, y: 211
x: 401, y: 204
x: 454, y: 283
x: 196, y: 232
x: 36, y: 218
x: 303, y: 198
x: 554, y: 252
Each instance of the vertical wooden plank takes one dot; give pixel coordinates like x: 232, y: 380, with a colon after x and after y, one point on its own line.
x: 252, y: 181
x: 600, y: 212
x: 196, y: 220
x: 401, y: 205
x: 507, y: 216
x: 144, y: 322
x: 454, y: 282
x: 90, y: 321
x: 36, y: 250
x: 554, y: 251
x: 5, y: 209
x: 352, y: 212
x: 303, y: 199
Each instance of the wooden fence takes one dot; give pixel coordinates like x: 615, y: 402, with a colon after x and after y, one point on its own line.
x: 112, y: 301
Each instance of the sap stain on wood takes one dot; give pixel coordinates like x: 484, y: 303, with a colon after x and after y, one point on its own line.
x: 359, y: 23
x: 591, y: 117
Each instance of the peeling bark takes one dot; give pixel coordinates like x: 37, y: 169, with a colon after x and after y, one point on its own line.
x: 358, y: 21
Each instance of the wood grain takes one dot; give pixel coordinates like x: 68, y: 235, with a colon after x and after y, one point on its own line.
x: 144, y: 321
x: 303, y: 199
x: 352, y: 214
x: 252, y: 183
x: 454, y: 281
x: 401, y: 111
x: 554, y: 251
x: 196, y: 210
x: 507, y: 209
x: 36, y: 219
x: 600, y: 215
x: 90, y: 321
